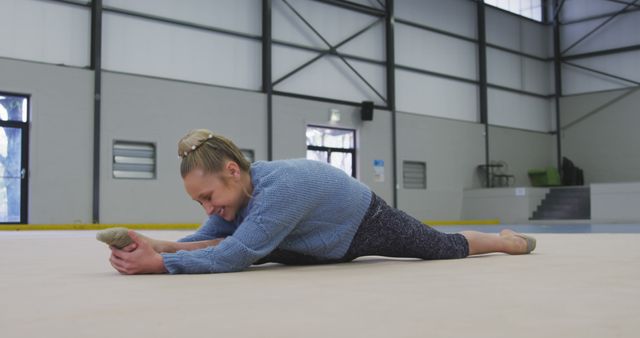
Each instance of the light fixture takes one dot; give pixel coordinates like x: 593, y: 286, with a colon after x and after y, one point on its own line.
x: 334, y: 115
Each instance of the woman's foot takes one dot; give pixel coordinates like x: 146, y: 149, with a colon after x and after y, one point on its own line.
x: 517, y: 244
x: 117, y: 237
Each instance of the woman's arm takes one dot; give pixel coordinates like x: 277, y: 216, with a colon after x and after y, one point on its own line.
x: 142, y: 256
x: 161, y: 246
x: 170, y: 247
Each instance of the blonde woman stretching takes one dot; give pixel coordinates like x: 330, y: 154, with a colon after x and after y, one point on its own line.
x: 290, y: 212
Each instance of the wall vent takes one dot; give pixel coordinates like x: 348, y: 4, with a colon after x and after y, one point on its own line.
x: 136, y: 160
x: 414, y: 175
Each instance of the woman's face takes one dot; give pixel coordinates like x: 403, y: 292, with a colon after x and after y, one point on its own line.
x: 221, y: 193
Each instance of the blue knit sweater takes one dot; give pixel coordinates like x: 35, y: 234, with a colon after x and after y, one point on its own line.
x: 304, y: 206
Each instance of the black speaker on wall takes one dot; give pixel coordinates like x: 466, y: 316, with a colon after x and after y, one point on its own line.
x: 366, y: 111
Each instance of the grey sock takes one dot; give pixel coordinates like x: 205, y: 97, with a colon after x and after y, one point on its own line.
x: 118, y: 237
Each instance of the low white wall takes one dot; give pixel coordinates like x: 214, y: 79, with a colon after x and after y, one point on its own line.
x: 435, y: 204
x: 509, y: 205
x: 615, y: 202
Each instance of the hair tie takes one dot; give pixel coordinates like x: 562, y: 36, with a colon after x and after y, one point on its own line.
x: 194, y: 147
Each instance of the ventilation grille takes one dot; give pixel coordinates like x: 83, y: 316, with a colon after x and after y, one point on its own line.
x: 134, y: 160
x: 249, y: 155
x: 414, y: 175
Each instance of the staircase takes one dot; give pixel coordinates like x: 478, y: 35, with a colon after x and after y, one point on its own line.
x: 565, y: 203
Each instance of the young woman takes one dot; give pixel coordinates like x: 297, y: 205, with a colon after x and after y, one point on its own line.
x: 290, y: 212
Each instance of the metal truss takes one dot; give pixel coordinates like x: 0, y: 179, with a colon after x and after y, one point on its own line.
x: 564, y: 58
x: 331, y: 48
x: 561, y: 57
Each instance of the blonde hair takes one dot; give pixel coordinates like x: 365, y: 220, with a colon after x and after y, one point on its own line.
x: 202, y: 149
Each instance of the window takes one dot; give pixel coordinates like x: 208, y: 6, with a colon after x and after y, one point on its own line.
x: 336, y: 146
x: 531, y: 9
x: 14, y: 156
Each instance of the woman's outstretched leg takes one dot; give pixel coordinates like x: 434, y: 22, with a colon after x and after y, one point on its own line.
x: 508, y: 242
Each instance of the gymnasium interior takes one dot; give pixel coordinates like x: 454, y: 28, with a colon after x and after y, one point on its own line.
x: 478, y: 115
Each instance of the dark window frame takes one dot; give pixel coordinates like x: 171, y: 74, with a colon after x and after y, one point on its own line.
x: 330, y: 150
x: 24, y: 160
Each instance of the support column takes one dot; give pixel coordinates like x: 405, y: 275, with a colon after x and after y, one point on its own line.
x: 557, y: 67
x: 267, y: 85
x: 391, y: 93
x: 96, y: 66
x: 482, y: 86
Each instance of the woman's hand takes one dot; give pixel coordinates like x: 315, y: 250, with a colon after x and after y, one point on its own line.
x: 138, y: 257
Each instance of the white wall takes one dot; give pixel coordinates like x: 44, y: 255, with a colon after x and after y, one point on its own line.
x: 433, y: 51
x: 600, y: 134
x: 617, y: 33
x: 45, y: 31
x: 61, y: 138
x: 437, y: 120
x: 434, y: 96
x: 438, y: 14
x: 165, y: 50
x: 615, y: 202
x: 142, y: 109
x: 234, y: 15
x: 509, y: 205
x: 519, y: 72
x: 522, y: 150
x: 291, y: 117
x: 329, y: 76
x: 452, y: 150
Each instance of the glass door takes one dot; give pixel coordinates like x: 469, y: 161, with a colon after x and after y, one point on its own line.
x: 13, y: 158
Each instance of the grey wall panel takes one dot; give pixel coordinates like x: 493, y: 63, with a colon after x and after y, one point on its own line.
x: 509, y: 31
x: 578, y: 81
x: 620, y: 32
x: 164, y: 50
x: 291, y: 117
x: 538, y: 76
x: 235, y: 15
x: 334, y: 23
x: 504, y: 69
x: 519, y: 72
x: 605, y: 143
x: 45, y: 31
x: 503, y: 29
x: 519, y: 111
x: 581, y: 9
x: 521, y: 150
x: 537, y: 39
x: 615, y: 203
x: 287, y: 59
x: 426, y: 50
x: 575, y: 107
x: 370, y: 44
x: 624, y: 65
x: 61, y: 135
x: 438, y: 14
x: 452, y: 150
x: 429, y: 95
x: 160, y: 111
x: 370, y: 3
x: 331, y: 78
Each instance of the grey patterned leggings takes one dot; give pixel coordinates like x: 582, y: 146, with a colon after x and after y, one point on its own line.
x: 386, y: 231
